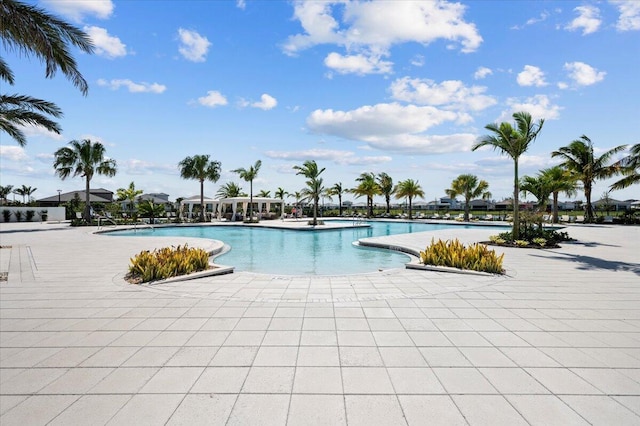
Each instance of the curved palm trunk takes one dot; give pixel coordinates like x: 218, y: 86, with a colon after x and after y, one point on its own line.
x: 388, y: 200
x: 202, y: 200
x: 516, y: 203
x: 555, y: 207
x: 87, y: 200
x: 587, y: 194
x: 410, y: 207
x: 340, y: 206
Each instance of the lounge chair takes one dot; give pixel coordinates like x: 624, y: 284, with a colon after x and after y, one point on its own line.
x: 579, y: 219
x: 565, y: 218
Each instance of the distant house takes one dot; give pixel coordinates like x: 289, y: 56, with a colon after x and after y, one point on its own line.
x: 613, y: 205
x: 99, y: 195
x: 482, y: 205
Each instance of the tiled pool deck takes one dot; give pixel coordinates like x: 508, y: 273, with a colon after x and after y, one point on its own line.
x: 556, y: 341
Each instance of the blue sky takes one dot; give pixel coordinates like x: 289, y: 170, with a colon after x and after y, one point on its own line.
x: 384, y: 86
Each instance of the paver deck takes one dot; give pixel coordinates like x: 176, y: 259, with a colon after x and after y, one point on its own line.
x: 555, y: 341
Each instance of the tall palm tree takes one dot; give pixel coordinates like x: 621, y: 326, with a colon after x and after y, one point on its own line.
x: 31, y: 31
x: 630, y: 167
x: 469, y: 187
x: 579, y: 158
x: 559, y: 180
x: 4, y: 191
x: 408, y: 189
x: 84, y: 158
x: 129, y: 194
x: 337, y: 189
x: 310, y: 170
x: 230, y: 190
x: 368, y: 187
x: 385, y: 183
x: 249, y: 175
x: 200, y: 168
x: 512, y: 141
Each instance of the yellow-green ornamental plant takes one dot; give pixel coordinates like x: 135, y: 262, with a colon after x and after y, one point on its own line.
x: 476, y: 257
x: 167, y: 262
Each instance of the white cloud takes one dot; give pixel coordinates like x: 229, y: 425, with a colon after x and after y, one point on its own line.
x: 134, y: 166
x: 343, y: 158
x: 482, y: 72
x: 193, y: 46
x: 77, y: 9
x: 36, y: 131
x: 372, y: 28
x: 451, y: 94
x: 539, y: 106
x: 266, y: 102
x: 418, y: 61
x: 562, y: 85
x: 391, y: 127
x: 13, y: 153
x: 133, y: 87
x: 583, y: 74
x: 588, y: 20
x: 532, y: 21
x: 241, y: 4
x: 213, y: 99
x: 357, y: 64
x: 531, y: 76
x: 629, y: 19
x: 105, y: 44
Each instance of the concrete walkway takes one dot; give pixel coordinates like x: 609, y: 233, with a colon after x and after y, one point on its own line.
x: 555, y: 341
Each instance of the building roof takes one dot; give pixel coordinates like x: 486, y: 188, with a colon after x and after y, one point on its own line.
x: 99, y: 195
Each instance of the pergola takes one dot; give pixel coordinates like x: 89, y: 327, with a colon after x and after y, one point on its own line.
x: 217, y: 207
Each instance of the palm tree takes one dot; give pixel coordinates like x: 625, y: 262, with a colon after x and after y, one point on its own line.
x: 25, y: 191
x: 200, y: 168
x: 630, y: 167
x: 33, y: 32
x: 148, y: 209
x: 4, y: 191
x: 249, y: 175
x: 408, y: 189
x: 281, y: 193
x: 230, y: 190
x: 368, y: 187
x: 129, y: 194
x: 310, y: 170
x: 580, y: 159
x: 469, y: 187
x: 537, y: 186
x: 559, y: 180
x: 386, y: 188
x: 84, y: 158
x: 18, y: 111
x: 513, y: 142
x: 337, y: 189
x: 264, y: 194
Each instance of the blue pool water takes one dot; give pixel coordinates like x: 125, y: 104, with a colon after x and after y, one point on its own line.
x: 288, y: 252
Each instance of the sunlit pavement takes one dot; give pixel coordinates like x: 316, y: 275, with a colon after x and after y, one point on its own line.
x: 554, y: 341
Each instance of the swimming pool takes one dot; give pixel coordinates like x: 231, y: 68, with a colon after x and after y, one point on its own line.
x: 291, y: 252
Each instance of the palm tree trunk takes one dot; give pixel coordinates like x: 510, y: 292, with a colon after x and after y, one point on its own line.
x: 201, y: 200
x: 555, y: 207
x: 516, y: 203
x: 87, y: 200
x: 250, y: 200
x: 466, y: 210
x: 315, y: 211
x: 587, y: 194
x: 410, y: 208
x: 340, y: 206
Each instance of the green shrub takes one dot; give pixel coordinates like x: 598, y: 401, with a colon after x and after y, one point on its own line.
x: 476, y: 257
x: 18, y: 214
x: 30, y: 215
x: 540, y: 241
x: 521, y: 243
x: 6, y: 215
x: 167, y: 262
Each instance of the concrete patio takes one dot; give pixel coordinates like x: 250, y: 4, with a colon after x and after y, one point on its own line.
x: 555, y: 341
